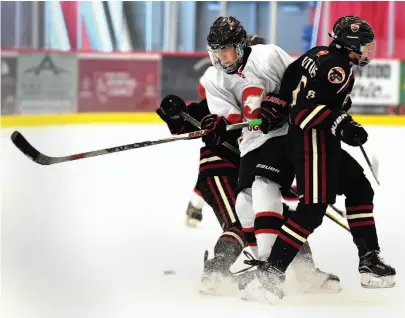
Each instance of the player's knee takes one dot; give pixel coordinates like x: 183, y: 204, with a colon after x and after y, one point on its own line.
x: 266, y: 196
x: 243, y: 207
x: 360, y: 190
x: 309, y: 216
x: 365, y: 188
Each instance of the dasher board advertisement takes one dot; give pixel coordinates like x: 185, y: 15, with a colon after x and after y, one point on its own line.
x: 118, y: 82
x: 377, y: 83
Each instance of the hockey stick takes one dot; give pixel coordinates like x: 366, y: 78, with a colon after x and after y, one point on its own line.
x: 369, y: 163
x: 27, y: 149
x: 196, y: 124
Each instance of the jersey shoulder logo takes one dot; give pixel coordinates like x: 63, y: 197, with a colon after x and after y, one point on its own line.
x: 336, y: 75
x: 323, y: 52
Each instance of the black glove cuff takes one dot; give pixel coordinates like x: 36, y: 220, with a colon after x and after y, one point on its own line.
x: 339, y: 123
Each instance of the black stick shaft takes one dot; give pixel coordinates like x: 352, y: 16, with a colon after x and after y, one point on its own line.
x: 369, y: 164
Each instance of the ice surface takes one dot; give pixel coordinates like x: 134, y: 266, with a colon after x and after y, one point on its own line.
x: 92, y: 238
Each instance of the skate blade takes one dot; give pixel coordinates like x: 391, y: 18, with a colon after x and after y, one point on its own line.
x: 221, y: 292
x: 371, y: 281
x: 255, y: 292
x: 328, y: 287
x: 206, y: 292
x: 192, y: 223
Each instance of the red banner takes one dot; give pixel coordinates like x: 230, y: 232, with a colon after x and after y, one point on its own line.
x: 118, y: 82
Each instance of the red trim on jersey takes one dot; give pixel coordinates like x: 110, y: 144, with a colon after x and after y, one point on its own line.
x: 362, y: 223
x: 234, y: 118
x: 359, y: 208
x: 270, y: 214
x: 298, y: 227
x: 247, y: 110
x: 326, y: 113
x: 300, y: 115
x: 267, y: 231
x: 232, y: 240
x: 201, y: 91
x: 218, y: 201
x: 206, y: 153
x: 216, y: 166
x: 229, y: 189
x: 248, y: 229
x: 196, y: 191
x: 289, y: 241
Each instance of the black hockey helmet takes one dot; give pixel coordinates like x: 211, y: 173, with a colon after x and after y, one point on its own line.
x: 226, y: 32
x: 355, y: 35
x: 254, y: 39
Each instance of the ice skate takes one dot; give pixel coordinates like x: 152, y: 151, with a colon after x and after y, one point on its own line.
x: 216, y: 279
x: 249, y: 286
x: 313, y: 280
x: 374, y: 272
x: 310, y: 278
x: 193, y: 216
x: 269, y: 284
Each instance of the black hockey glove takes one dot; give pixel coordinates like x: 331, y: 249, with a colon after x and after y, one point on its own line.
x: 216, y: 129
x: 349, y: 131
x: 273, y: 113
x: 169, y: 112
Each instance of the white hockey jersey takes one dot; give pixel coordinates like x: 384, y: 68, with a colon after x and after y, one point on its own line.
x: 238, y: 96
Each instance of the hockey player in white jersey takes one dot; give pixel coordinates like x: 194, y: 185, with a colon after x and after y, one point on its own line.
x: 196, y: 203
x: 243, y: 84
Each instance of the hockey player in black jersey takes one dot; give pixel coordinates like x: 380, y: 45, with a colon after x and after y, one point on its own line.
x: 317, y: 89
x: 218, y: 184
x: 170, y: 108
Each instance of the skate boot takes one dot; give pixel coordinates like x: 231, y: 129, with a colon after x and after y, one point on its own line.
x: 216, y: 278
x: 272, y: 282
x: 323, y: 282
x: 246, y: 275
x: 247, y: 281
x: 374, y: 272
x: 193, y: 216
x: 310, y: 278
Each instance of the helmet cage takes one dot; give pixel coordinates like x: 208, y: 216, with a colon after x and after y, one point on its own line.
x: 213, y: 51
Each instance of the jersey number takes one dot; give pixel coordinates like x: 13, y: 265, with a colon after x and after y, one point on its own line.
x: 297, y: 90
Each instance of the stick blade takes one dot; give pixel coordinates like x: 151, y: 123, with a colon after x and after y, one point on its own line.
x: 26, y: 148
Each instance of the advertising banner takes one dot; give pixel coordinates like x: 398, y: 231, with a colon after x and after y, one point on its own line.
x: 8, y: 83
x: 181, y: 75
x: 118, y: 82
x: 47, y: 83
x: 377, y: 83
x: 402, y: 84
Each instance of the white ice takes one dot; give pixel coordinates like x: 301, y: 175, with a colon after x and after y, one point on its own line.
x: 92, y: 238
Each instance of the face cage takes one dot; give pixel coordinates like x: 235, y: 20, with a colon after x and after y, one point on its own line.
x: 216, y: 62
x: 367, y: 53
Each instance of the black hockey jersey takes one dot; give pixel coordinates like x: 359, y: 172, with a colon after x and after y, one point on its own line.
x: 317, y: 87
